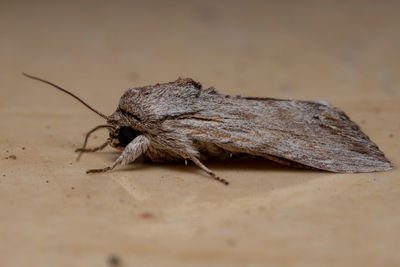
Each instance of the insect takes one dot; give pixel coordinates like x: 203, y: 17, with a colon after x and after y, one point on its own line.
x: 181, y: 121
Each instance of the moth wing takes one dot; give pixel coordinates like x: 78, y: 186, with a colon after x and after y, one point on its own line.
x: 311, y: 133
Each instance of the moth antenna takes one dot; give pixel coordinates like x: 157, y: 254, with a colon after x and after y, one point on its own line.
x: 67, y: 92
x: 82, y: 149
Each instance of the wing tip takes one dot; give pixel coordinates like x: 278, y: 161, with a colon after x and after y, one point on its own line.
x: 380, y: 165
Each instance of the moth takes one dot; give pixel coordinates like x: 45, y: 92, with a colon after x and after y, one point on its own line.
x: 180, y: 121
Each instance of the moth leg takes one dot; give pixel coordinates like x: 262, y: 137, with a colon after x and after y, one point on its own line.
x: 94, y: 149
x: 83, y: 149
x: 133, y: 150
x: 208, y: 171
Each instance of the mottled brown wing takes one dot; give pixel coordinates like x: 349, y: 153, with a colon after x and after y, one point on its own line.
x: 310, y: 133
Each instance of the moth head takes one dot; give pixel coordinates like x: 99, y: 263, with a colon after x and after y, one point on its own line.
x: 121, y: 132
x: 121, y: 136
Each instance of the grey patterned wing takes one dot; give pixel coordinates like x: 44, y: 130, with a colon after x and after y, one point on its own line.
x: 311, y: 133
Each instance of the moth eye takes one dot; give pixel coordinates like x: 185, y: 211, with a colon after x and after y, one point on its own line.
x: 126, y: 135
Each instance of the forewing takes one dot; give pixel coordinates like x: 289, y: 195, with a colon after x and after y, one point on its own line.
x: 310, y: 133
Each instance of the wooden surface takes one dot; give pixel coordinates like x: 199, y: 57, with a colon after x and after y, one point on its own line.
x: 53, y: 214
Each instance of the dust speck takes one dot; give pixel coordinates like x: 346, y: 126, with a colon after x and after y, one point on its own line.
x: 12, y: 157
x: 147, y: 215
x: 114, y: 260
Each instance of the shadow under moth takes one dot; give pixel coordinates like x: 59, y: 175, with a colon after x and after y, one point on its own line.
x: 181, y: 121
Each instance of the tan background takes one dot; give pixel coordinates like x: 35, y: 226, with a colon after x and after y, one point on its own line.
x: 53, y: 214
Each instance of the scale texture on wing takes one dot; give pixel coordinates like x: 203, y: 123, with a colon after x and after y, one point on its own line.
x: 307, y: 132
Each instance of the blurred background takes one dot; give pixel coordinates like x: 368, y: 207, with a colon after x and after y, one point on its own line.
x: 289, y: 49
x: 53, y: 214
